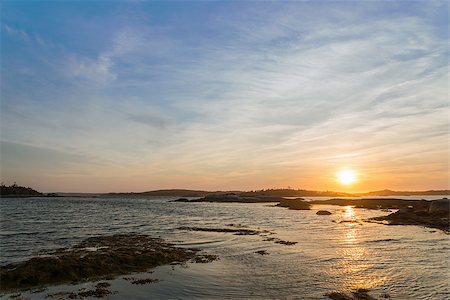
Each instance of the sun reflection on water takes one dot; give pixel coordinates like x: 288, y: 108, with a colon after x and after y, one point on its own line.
x: 353, y: 268
x: 349, y: 213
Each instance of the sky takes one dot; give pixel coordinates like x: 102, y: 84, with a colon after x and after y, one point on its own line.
x: 101, y: 96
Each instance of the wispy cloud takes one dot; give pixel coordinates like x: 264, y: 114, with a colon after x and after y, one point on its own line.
x: 98, y: 70
x: 270, y: 95
x: 16, y: 32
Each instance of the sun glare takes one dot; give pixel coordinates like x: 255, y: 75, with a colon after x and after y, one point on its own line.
x: 346, y: 176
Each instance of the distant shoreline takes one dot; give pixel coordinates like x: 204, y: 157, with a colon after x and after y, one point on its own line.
x: 15, y: 191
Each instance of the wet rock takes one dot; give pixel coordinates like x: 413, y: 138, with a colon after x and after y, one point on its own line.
x: 237, y: 231
x: 297, y: 204
x: 227, y: 230
x: 359, y: 294
x: 92, y: 259
x: 278, y: 241
x: 439, y: 218
x: 181, y: 200
x: 144, y: 281
x: 18, y: 297
x: 422, y: 213
x: 205, y: 258
x: 376, y: 203
x: 235, y: 225
x: 97, y: 293
x: 339, y: 296
x: 62, y: 295
x: 102, y: 285
x: 350, y: 221
x: 38, y: 290
x: 287, y: 202
x: 323, y: 213
x: 441, y: 206
x: 286, y: 243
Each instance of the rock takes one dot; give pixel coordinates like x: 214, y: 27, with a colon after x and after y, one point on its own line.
x: 359, y: 294
x: 240, y: 231
x: 114, y: 255
x: 422, y: 213
x: 323, y: 213
x: 439, y: 206
x: 370, y: 203
x: 297, y: 204
x: 422, y: 218
x: 181, y: 200
x: 287, y: 202
x: 286, y: 243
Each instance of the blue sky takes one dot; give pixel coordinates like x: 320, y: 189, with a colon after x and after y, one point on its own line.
x: 129, y: 96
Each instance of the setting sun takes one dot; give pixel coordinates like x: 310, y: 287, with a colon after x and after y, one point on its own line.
x: 347, y: 176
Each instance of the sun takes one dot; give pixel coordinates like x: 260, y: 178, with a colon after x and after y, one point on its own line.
x: 347, y: 176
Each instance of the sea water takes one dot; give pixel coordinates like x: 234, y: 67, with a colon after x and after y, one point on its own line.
x: 406, y: 262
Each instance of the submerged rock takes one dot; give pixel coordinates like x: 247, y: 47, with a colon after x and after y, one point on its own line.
x: 286, y: 243
x: 227, y: 230
x: 94, y: 258
x: 181, y: 200
x: 144, y: 280
x: 359, y: 294
x: 323, y: 213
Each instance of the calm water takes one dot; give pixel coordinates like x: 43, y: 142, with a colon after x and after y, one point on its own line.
x: 407, y: 262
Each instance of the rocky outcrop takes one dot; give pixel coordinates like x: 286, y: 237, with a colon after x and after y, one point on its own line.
x: 297, y: 204
x: 17, y: 191
x: 376, y: 203
x: 323, y: 213
x: 436, y: 216
x: 441, y: 206
x: 95, y: 258
x: 359, y: 294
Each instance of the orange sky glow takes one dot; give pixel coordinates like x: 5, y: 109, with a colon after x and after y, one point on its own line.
x: 169, y: 95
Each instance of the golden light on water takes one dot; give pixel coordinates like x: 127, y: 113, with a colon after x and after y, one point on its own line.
x: 349, y: 213
x: 353, y: 268
x: 347, y: 176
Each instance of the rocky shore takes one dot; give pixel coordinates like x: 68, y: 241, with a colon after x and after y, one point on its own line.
x: 95, y: 258
x: 427, y: 213
x: 296, y: 204
x: 376, y: 203
x: 435, y: 215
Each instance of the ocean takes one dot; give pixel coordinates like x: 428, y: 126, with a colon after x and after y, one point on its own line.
x: 406, y: 262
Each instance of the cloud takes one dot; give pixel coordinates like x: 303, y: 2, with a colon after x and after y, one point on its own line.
x: 152, y: 121
x: 16, y: 32
x: 98, y: 70
x: 268, y: 92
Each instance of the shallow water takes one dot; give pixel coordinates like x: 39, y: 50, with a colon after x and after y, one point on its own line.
x: 407, y: 262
